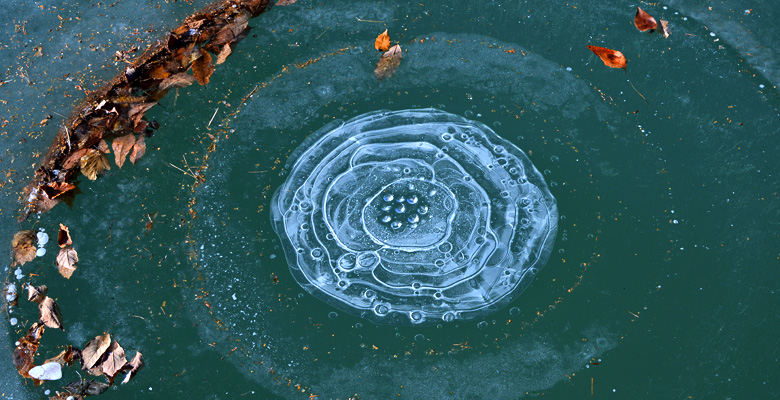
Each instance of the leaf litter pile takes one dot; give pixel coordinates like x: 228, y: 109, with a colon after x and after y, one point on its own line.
x: 100, y: 357
x: 111, y: 119
x: 116, y: 113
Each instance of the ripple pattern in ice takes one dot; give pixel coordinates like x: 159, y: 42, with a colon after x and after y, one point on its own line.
x: 414, y: 216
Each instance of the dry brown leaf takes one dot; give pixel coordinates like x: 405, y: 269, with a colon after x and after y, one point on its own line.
x: 57, y: 189
x: 285, y: 2
x: 50, y: 313
x: 137, y: 112
x: 382, y: 42
x: 139, y: 149
x: 223, y: 54
x: 103, y: 146
x: 611, y: 58
x: 159, y: 72
x: 182, y: 79
x: 63, y: 237
x: 24, y: 353
x: 23, y: 245
x: 122, y: 146
x: 93, y: 163
x: 66, y: 357
x: 231, y: 32
x: 665, y: 29
x: 36, y: 294
x: 94, y: 350
x: 133, y: 366
x: 74, y: 158
x: 66, y: 396
x: 389, y: 62
x: 644, y: 21
x: 202, y: 68
x: 86, y: 388
x: 114, y: 361
x: 66, y: 262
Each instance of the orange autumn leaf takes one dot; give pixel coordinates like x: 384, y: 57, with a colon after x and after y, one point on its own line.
x: 382, y: 42
x: 57, y: 189
x: 202, y: 68
x: 25, y: 351
x: 389, y: 62
x: 644, y: 21
x: 63, y: 237
x: 611, y: 58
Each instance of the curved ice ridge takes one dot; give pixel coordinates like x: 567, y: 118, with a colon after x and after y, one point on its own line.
x: 414, y: 216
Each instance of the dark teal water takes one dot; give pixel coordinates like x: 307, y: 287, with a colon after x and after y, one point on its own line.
x: 662, y: 282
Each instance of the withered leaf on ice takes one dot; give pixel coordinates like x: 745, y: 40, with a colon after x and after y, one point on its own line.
x: 389, y: 62
x: 137, y: 112
x: 25, y: 351
x: 67, y: 356
x: 23, y: 245
x: 86, y: 388
x: 382, y: 42
x: 74, y: 158
x: 665, y: 29
x: 285, y: 2
x: 114, y: 361
x: 103, y: 146
x: 66, y: 262
x: 93, y: 163
x: 644, y: 21
x: 50, y: 313
x: 231, y: 33
x: 36, y: 294
x: 57, y: 189
x: 611, y: 58
x: 94, y: 350
x: 63, y: 237
x: 139, y: 149
x: 122, y: 147
x: 202, y: 68
x: 66, y: 396
x: 179, y: 80
x: 134, y: 366
x: 223, y: 54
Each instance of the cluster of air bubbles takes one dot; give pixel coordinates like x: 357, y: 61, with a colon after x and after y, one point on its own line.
x: 413, y: 217
x: 404, y: 210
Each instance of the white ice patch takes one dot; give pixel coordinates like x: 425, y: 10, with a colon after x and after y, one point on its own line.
x: 10, y: 292
x: 47, y: 372
x: 43, y: 238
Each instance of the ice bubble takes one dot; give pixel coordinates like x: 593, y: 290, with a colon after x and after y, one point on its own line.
x: 385, y: 194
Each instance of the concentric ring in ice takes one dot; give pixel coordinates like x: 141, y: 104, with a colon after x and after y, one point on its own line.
x: 414, y: 216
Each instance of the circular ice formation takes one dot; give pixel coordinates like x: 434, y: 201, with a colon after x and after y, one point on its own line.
x: 414, y: 216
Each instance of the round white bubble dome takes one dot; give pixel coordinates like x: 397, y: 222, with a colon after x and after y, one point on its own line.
x: 413, y: 217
